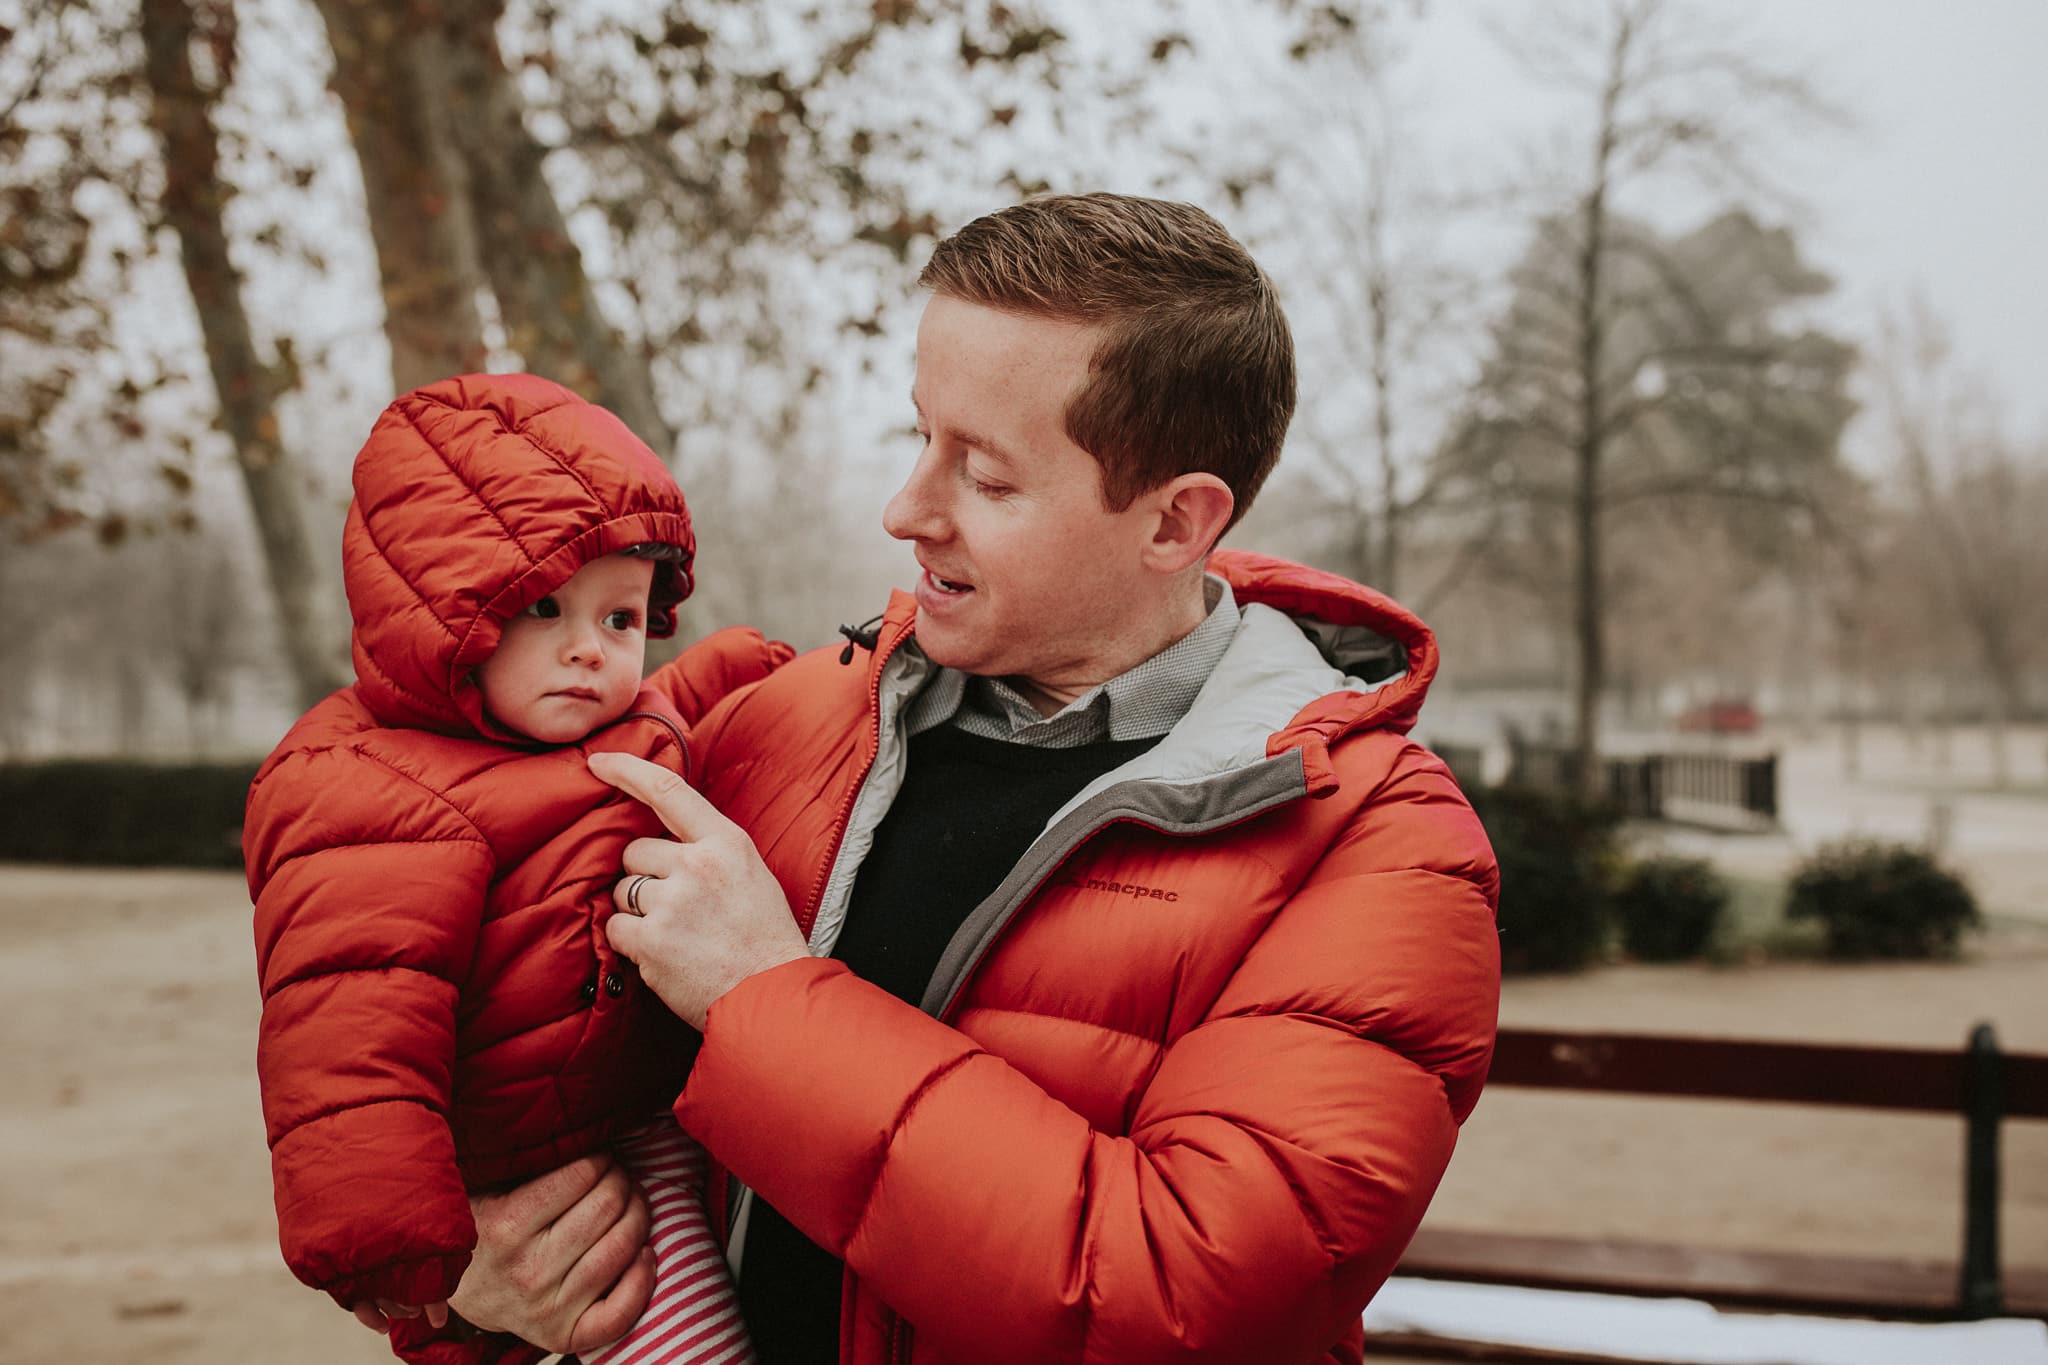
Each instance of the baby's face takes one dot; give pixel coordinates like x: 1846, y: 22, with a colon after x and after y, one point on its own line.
x: 571, y: 662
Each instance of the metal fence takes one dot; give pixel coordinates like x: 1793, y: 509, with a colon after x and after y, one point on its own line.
x: 1709, y: 788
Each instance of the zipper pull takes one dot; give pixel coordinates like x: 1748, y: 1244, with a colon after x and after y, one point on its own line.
x: 865, y: 635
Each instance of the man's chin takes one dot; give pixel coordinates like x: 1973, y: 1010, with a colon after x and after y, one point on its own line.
x: 950, y: 647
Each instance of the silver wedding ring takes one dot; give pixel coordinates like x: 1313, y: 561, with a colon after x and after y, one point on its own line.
x: 633, y: 892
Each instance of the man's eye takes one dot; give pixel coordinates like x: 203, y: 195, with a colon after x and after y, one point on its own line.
x: 547, y: 609
x: 971, y: 476
x: 984, y: 487
x: 622, y: 619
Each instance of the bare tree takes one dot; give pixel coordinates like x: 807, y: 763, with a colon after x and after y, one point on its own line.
x: 1391, y: 298
x: 1608, y: 330
x: 1972, y: 529
x: 1308, y: 147
x: 193, y: 200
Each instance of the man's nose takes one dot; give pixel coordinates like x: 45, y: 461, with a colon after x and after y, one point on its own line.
x: 916, y: 513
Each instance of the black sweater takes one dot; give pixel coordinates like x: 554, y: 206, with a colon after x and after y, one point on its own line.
x: 968, y: 809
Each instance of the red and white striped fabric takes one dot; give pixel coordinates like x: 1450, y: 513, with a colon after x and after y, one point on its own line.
x: 694, y: 1316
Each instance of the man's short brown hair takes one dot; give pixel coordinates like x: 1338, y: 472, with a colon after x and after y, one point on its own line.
x: 1195, y: 369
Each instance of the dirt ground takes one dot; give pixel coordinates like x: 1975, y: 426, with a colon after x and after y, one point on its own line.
x: 135, y: 1184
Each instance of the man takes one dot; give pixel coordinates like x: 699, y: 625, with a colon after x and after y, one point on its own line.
x: 1112, y: 975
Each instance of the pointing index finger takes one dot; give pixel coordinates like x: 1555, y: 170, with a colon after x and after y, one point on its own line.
x: 686, y: 814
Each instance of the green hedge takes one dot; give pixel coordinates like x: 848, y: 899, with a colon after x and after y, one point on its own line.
x: 121, y: 813
x: 1878, y: 900
x: 1557, y: 864
x: 1669, y: 909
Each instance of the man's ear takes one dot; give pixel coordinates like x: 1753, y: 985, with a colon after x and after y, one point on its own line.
x: 1190, y: 514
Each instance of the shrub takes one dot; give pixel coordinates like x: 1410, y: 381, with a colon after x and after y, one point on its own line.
x: 1882, y: 900
x: 1555, y: 856
x: 1669, y: 909
x: 123, y: 813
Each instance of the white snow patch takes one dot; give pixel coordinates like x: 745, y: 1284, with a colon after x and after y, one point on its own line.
x: 1689, y: 1331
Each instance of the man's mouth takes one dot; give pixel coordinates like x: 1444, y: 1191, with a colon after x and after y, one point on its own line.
x: 946, y: 585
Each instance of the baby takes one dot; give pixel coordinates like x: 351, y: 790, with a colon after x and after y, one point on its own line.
x: 432, y: 867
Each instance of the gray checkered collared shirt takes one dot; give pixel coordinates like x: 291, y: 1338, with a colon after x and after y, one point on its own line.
x: 1141, y: 703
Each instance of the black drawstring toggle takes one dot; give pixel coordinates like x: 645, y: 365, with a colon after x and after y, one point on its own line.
x: 865, y: 634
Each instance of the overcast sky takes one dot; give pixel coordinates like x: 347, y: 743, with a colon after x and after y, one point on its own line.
x: 1942, y: 185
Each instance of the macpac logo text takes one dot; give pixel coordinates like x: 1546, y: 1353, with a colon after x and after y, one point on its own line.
x: 1131, y: 889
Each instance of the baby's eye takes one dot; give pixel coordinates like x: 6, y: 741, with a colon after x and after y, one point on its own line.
x: 547, y: 609
x: 622, y: 619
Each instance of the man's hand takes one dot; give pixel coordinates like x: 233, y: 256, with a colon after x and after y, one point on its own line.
x: 377, y: 1314
x: 700, y: 913
x: 562, y: 1260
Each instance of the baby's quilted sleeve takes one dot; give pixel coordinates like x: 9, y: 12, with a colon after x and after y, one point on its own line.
x: 368, y: 891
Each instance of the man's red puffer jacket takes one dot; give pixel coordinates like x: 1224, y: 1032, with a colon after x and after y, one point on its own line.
x: 1183, y: 1086
x: 441, y: 1009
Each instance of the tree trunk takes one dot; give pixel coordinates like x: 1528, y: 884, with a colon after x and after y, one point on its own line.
x: 1588, y: 629
x: 193, y: 200
x: 550, y: 310
x: 1588, y: 626
x: 1365, y: 555
x: 1379, y: 303
x: 385, y: 67
x: 1386, y: 571
x: 1588, y: 608
x: 1994, y: 621
x: 458, y: 201
x: 1849, y: 633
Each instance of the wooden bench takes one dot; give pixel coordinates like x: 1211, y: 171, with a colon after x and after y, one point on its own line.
x: 1979, y: 1083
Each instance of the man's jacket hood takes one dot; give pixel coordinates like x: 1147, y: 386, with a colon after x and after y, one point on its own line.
x: 474, y: 498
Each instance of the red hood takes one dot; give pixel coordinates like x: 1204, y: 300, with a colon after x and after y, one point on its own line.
x: 1359, y: 613
x: 474, y: 498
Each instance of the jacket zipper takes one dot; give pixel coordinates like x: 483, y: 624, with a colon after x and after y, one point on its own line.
x: 899, y: 1340
x: 737, y: 1191
x: 814, y: 902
